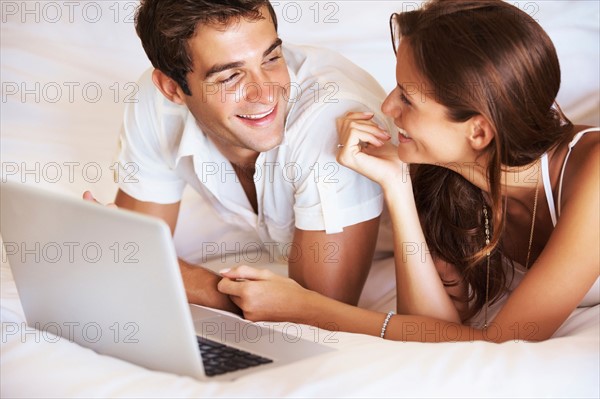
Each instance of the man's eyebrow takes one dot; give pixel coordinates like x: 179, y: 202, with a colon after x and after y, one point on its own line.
x: 230, y: 65
x: 222, y: 67
x: 273, y: 46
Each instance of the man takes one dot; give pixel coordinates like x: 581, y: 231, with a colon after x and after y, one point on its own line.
x: 250, y: 125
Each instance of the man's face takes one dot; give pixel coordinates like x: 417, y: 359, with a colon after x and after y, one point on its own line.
x: 238, y: 85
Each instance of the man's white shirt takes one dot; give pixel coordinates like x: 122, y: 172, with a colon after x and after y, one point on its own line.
x: 298, y: 184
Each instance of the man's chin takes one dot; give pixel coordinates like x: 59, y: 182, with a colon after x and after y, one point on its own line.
x: 265, y: 138
x: 265, y: 146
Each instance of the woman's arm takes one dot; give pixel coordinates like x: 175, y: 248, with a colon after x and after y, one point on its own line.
x: 570, y: 262
x: 556, y: 283
x: 420, y: 289
x: 265, y: 296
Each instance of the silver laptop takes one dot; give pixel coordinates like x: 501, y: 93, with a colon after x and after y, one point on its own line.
x: 109, y: 280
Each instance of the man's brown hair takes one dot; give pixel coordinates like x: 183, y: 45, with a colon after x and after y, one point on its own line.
x: 165, y: 27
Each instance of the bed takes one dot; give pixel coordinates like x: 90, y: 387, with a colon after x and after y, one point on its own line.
x: 67, y: 71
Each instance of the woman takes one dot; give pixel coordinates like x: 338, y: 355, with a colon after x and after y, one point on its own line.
x: 502, y: 187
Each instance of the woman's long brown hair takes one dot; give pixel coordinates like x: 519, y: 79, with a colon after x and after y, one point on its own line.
x: 491, y: 59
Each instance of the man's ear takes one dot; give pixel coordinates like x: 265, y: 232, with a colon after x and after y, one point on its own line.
x: 168, y: 87
x: 480, y: 133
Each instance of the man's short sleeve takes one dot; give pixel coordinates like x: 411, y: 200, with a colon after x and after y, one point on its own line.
x: 330, y: 196
x: 149, y: 134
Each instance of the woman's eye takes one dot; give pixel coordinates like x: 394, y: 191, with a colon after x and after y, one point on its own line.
x: 404, y: 99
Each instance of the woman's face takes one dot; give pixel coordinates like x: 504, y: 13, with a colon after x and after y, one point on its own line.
x: 426, y: 135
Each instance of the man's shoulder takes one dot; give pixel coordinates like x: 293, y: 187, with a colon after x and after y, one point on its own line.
x: 144, y: 85
x: 324, y: 74
x: 153, y: 119
x: 150, y: 103
x: 326, y: 84
x: 313, y: 62
x: 147, y: 94
x: 315, y: 55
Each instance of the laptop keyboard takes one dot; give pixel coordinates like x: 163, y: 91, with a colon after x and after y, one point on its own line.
x: 220, y: 359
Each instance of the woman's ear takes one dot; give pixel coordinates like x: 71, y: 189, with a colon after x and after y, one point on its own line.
x: 168, y: 87
x: 480, y: 133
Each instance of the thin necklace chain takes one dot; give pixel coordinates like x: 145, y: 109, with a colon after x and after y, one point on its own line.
x: 487, y: 242
x: 487, y: 272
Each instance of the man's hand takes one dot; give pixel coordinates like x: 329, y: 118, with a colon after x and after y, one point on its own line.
x: 201, y: 288
x: 88, y: 196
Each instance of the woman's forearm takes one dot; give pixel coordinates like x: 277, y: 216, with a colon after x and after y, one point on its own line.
x: 420, y: 290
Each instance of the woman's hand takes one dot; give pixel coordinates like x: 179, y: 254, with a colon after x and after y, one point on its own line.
x: 263, y: 295
x: 367, y: 149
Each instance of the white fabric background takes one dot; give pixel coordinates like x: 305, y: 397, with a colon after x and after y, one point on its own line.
x: 67, y: 69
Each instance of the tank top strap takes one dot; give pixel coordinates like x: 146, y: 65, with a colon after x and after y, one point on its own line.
x: 572, y: 144
x: 546, y: 175
x: 548, y: 187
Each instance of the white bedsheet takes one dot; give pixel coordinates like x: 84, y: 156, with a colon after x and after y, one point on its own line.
x: 42, y: 365
x: 65, y: 81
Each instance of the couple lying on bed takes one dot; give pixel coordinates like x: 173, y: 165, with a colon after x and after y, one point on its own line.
x: 502, y: 196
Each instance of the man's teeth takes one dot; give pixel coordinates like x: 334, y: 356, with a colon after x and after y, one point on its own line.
x: 257, y: 116
x: 404, y: 133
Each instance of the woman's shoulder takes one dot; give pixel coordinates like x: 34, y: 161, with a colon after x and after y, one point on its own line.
x: 582, y: 132
x: 577, y: 142
x: 584, y: 143
x: 581, y: 160
x: 571, y: 134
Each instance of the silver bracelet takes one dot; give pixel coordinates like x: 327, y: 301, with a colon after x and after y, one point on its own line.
x: 385, y: 323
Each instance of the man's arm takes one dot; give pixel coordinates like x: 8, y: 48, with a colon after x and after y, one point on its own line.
x: 200, y: 283
x: 335, y: 265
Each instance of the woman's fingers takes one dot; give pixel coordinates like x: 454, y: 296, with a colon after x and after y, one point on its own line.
x: 356, y: 145
x: 234, y: 277
x: 356, y: 131
x: 231, y: 288
x: 360, y: 133
x: 244, y: 272
x: 245, y: 287
x: 366, y: 148
x: 359, y: 121
x: 261, y: 294
x: 353, y: 116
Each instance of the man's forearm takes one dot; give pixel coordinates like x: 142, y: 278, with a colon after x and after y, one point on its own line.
x: 201, y: 288
x: 335, y: 265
